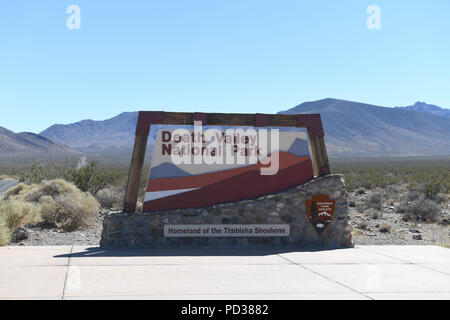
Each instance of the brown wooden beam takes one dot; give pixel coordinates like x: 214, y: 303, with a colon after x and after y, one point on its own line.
x: 135, y: 172
x: 145, y: 120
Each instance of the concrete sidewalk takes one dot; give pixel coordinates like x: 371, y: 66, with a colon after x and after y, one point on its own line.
x: 365, y: 272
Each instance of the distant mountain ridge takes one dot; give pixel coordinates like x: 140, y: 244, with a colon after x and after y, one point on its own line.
x: 428, y: 108
x: 91, y: 135
x: 359, y: 129
x: 351, y: 129
x: 27, y: 144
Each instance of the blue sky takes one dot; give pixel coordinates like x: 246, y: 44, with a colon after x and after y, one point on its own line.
x: 215, y: 56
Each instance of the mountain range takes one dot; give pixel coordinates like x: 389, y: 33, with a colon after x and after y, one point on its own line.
x: 27, y: 144
x: 352, y: 129
x: 90, y: 135
x: 428, y: 108
x: 358, y: 129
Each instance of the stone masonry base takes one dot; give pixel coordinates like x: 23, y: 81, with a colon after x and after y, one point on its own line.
x: 286, y: 207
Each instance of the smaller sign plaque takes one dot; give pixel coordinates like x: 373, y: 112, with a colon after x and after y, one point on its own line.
x: 320, y: 210
x: 227, y: 230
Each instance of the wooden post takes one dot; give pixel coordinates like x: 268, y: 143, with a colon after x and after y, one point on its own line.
x: 135, y: 173
x: 144, y: 121
x: 325, y: 165
x: 314, y: 154
x: 319, y: 154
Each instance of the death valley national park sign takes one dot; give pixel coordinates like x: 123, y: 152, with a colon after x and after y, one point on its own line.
x: 231, y: 181
x: 174, y: 185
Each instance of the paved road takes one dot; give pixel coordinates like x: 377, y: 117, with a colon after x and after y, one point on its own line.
x: 6, y: 184
x: 365, y: 272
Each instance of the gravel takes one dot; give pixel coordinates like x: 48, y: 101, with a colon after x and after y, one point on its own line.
x: 38, y: 236
x: 366, y: 230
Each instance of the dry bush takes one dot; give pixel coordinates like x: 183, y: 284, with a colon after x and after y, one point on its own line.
x: 5, y: 234
x: 385, y: 228
x: 413, y: 195
x: 360, y: 207
x: 363, y: 225
x: 52, y: 188
x: 17, y: 191
x: 60, y: 203
x: 110, y: 198
x: 373, y: 213
x: 15, y: 213
x: 431, y: 188
x: 375, y: 200
x: 392, y: 190
x: 89, y: 178
x: 69, y: 211
x: 420, y: 210
x: 392, y: 193
x: 440, y: 198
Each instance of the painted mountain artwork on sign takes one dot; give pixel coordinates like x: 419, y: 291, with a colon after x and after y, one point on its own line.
x: 172, y: 186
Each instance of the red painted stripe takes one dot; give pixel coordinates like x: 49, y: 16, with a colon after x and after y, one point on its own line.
x: 198, y: 181
x: 245, y: 186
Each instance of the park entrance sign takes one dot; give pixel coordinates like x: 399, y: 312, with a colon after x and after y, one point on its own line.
x: 311, y: 122
x: 231, y: 180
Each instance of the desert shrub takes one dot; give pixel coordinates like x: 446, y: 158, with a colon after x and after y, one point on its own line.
x: 368, y: 179
x: 60, y: 204
x: 381, y: 173
x: 385, y: 228
x: 413, y: 195
x: 18, y: 191
x: 89, y: 178
x: 392, y: 192
x: 420, y: 210
x: 392, y: 189
x: 352, y: 204
x: 69, y: 211
x: 5, y: 234
x: 431, y: 188
x: 440, y: 198
x: 375, y: 200
x: 15, y: 213
x: 363, y: 225
x: 52, y: 188
x: 361, y: 191
x: 360, y: 207
x: 373, y: 213
x: 110, y: 198
x: 39, y: 172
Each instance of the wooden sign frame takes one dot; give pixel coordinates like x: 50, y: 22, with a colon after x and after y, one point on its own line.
x: 312, y: 122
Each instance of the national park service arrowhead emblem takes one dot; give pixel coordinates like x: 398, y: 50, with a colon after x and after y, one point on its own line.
x: 320, y: 210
